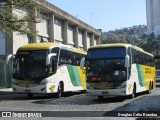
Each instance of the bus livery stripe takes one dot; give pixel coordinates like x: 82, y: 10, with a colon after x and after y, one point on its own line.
x: 82, y: 78
x: 140, y: 75
x: 74, y: 75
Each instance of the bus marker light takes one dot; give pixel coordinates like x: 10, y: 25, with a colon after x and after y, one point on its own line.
x: 96, y: 78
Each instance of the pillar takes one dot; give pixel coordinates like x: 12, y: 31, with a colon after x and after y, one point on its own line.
x: 75, y: 36
x: 65, y: 35
x: 98, y: 40
x: 85, y: 40
x: 51, y: 28
x: 34, y: 26
x: 92, y: 39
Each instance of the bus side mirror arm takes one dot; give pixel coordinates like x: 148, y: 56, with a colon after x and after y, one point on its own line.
x: 9, y: 58
x: 127, y: 61
x: 48, y: 59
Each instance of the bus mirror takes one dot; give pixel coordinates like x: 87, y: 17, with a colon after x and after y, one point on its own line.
x: 9, y: 58
x: 48, y: 59
x: 127, y: 61
x: 82, y: 63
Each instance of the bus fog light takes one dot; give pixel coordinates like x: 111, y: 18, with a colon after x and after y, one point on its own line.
x: 43, y: 89
x: 14, y: 82
x: 89, y: 87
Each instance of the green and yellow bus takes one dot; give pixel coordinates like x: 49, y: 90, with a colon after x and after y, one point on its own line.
x: 118, y: 70
x: 48, y: 68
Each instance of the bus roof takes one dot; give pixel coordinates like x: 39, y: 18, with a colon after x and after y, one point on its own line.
x: 45, y: 46
x: 119, y: 45
x: 109, y: 45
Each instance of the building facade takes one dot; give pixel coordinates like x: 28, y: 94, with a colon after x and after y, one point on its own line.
x: 153, y: 17
x: 55, y: 25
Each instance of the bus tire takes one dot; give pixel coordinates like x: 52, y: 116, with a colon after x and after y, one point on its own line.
x: 59, y: 91
x: 133, y: 95
x: 83, y: 91
x: 150, y: 89
x: 152, y: 85
x: 30, y: 95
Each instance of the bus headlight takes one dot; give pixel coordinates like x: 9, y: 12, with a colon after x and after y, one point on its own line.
x: 43, y: 82
x: 123, y: 85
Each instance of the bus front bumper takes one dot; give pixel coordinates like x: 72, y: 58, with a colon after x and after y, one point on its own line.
x: 108, y: 92
x: 35, y: 89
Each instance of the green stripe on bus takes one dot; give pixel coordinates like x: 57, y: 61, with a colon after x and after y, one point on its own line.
x: 77, y: 75
x: 74, y: 75
x: 140, y: 75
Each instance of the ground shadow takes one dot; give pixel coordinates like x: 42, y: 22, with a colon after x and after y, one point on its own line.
x: 22, y: 96
x: 137, y: 108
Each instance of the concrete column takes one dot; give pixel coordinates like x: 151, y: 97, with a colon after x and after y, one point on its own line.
x: 75, y: 36
x: 65, y: 35
x: 98, y: 40
x: 51, y: 28
x: 34, y: 25
x: 92, y: 39
x: 9, y: 44
x: 85, y: 40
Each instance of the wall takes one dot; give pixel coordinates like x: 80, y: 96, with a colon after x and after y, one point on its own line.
x: 2, y: 44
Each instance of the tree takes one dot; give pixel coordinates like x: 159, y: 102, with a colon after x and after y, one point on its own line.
x: 11, y: 20
x: 114, y: 39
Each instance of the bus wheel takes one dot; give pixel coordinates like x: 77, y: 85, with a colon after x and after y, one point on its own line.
x: 59, y: 91
x: 100, y: 97
x: 150, y: 89
x: 133, y: 95
x: 30, y: 95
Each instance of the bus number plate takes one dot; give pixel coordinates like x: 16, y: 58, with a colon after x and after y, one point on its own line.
x: 104, y: 92
x: 28, y: 91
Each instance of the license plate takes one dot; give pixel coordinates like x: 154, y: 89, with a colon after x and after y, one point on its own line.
x: 28, y: 91
x: 104, y: 92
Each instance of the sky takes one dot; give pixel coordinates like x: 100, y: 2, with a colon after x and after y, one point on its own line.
x: 106, y: 14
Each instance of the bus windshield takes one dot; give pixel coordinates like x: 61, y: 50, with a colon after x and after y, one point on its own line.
x: 30, y: 65
x: 106, y: 64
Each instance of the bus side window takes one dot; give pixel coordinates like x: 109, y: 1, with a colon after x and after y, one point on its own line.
x: 61, y: 57
x: 68, y: 57
x: 76, y: 59
x: 65, y: 57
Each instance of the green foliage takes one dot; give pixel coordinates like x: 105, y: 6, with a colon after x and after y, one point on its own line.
x: 147, y: 42
x: 11, y: 21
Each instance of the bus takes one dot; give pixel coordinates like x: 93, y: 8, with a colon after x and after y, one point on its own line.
x: 47, y: 68
x: 118, y: 70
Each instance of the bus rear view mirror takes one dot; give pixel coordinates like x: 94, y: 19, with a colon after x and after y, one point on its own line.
x: 127, y: 61
x: 48, y: 59
x: 9, y: 58
x: 82, y: 63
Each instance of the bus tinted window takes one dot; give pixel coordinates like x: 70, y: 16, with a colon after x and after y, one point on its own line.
x: 139, y: 57
x: 69, y: 57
